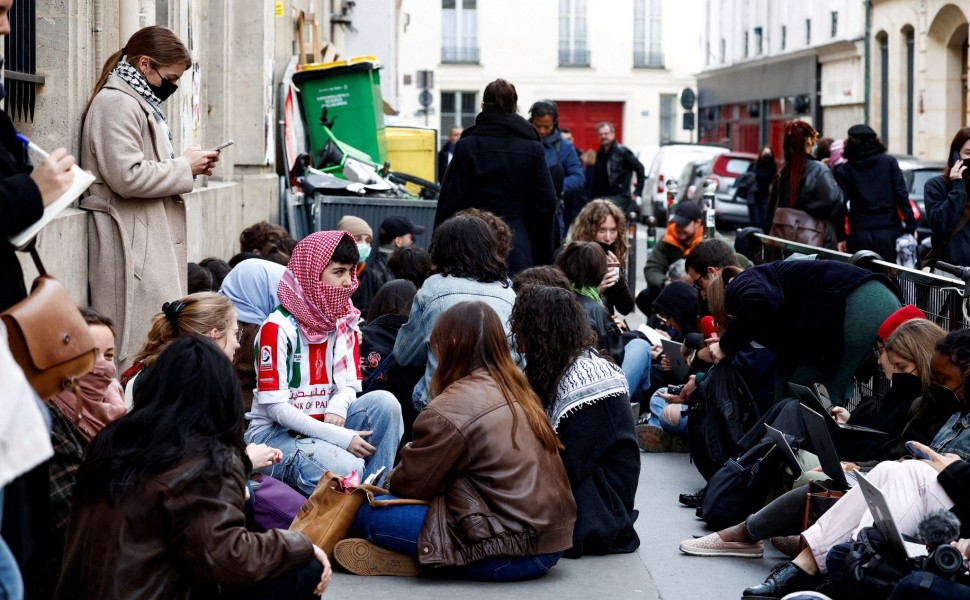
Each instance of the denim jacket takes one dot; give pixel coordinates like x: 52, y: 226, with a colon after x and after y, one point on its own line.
x: 954, y: 436
x: 438, y: 294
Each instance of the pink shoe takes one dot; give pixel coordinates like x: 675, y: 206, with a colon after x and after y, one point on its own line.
x: 713, y: 545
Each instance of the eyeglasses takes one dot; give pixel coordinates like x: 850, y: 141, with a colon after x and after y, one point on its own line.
x: 878, y: 350
x: 697, y: 282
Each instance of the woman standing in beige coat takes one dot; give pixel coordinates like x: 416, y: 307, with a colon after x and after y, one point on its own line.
x: 136, y: 246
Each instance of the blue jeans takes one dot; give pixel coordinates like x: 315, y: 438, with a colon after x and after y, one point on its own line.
x: 11, y: 584
x: 657, y: 419
x: 306, y: 459
x: 397, y: 528
x: 636, y: 364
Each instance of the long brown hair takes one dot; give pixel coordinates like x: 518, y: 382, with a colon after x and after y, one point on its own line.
x: 796, y: 134
x: 469, y: 336
x: 588, y: 221
x: 159, y: 44
x: 715, y: 296
x: 198, y: 314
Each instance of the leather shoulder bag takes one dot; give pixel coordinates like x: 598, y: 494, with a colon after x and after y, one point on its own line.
x: 48, y: 336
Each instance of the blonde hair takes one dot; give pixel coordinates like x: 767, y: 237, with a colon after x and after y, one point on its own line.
x: 915, y: 341
x: 200, y: 313
x: 588, y: 221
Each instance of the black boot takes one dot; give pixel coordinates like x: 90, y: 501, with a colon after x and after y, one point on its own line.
x: 784, y: 579
x: 693, y: 500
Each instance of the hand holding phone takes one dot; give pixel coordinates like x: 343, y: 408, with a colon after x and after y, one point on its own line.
x: 916, y: 452
x: 225, y: 144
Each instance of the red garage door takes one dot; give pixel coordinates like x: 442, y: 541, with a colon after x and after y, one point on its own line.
x: 582, y: 117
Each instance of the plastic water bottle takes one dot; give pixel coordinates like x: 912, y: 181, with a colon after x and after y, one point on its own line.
x: 651, y: 232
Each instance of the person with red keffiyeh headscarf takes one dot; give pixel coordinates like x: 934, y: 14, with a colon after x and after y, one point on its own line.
x: 308, y: 373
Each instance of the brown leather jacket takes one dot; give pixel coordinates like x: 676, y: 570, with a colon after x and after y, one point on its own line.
x: 178, y: 535
x: 487, y: 498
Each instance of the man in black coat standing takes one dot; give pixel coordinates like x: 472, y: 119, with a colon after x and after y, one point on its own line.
x: 500, y: 166
x: 615, y: 166
x: 447, y: 151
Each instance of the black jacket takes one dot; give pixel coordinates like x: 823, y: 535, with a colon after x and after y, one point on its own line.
x: 945, y: 202
x: 500, y: 166
x: 608, y: 336
x: 796, y: 308
x: 20, y: 205
x: 621, y: 164
x: 602, y: 460
x: 890, y: 414
x: 874, y: 188
x: 374, y: 275
x: 376, y: 344
x: 955, y: 479
x: 447, y: 149
x: 818, y: 194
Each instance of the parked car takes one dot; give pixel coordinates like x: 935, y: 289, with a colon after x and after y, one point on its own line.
x: 917, y: 172
x: 667, y: 166
x: 724, y: 171
x: 688, y: 184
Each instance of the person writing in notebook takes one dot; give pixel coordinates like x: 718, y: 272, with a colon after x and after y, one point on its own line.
x: 24, y: 191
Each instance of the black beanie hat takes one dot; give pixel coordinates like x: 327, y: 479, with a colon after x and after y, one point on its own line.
x: 679, y: 300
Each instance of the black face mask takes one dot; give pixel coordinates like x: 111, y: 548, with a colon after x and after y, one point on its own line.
x: 162, y: 91
x: 943, y: 396
x: 907, y: 383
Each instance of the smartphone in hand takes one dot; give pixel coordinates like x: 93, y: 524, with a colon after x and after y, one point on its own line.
x: 225, y: 144
x: 916, y: 452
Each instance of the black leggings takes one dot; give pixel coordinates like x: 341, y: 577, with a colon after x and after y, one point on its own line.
x: 782, y: 516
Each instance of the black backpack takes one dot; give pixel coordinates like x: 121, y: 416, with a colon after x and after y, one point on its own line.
x: 740, y: 487
x: 722, y: 409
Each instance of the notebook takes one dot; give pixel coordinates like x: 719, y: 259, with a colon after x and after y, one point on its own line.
x: 82, y: 181
x: 808, y: 398
x: 678, y: 364
x: 883, y: 520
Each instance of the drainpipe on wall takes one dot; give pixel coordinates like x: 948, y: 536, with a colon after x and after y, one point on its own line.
x: 868, y: 67
x: 127, y: 19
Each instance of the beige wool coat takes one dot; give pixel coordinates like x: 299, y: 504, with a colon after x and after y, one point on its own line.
x: 136, y: 224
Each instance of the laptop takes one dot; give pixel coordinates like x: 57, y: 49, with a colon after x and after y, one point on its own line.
x: 821, y: 440
x: 808, y: 398
x: 678, y: 364
x: 883, y: 520
x: 787, y: 454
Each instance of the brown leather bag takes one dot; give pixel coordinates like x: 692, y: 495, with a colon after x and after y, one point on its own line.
x: 329, y: 513
x: 798, y: 226
x: 48, y: 336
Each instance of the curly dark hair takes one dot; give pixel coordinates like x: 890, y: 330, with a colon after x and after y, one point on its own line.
x: 255, y: 237
x: 956, y: 347
x: 545, y: 275
x: 465, y: 246
x: 501, y: 230
x: 550, y: 330
x: 584, y: 263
